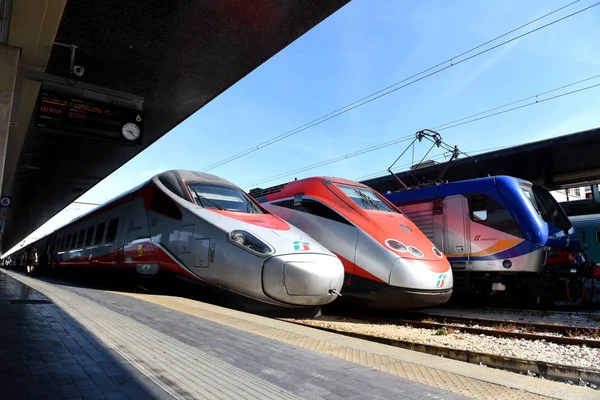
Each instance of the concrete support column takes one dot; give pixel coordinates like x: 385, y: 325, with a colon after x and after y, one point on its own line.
x: 9, y: 62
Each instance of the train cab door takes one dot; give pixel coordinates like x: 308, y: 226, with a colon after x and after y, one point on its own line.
x: 456, y: 234
x: 193, y: 249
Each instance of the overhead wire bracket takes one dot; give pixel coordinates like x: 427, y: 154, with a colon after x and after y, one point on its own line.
x: 436, y: 139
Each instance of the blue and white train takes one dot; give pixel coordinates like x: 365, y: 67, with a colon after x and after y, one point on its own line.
x: 502, y: 236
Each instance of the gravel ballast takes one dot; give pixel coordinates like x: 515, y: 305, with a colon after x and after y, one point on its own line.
x: 537, y: 350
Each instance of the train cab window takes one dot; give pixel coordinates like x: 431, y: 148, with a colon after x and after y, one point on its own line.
x: 81, y: 238
x: 365, y: 198
x: 488, y: 211
x: 597, y: 236
x: 313, y: 207
x: 68, y: 242
x: 478, y: 209
x: 111, y: 232
x: 99, y: 233
x: 162, y: 204
x: 223, y: 198
x: 89, y: 236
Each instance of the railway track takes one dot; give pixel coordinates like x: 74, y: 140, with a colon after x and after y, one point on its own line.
x: 547, y: 370
x: 505, y: 329
x: 528, y: 327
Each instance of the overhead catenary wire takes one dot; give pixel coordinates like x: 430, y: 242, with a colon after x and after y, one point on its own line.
x: 409, y: 81
x: 445, y: 126
x: 334, y: 160
x: 439, y: 156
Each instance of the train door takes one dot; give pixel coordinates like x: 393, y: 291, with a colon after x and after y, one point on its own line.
x: 126, y: 223
x: 456, y: 235
x: 193, y: 249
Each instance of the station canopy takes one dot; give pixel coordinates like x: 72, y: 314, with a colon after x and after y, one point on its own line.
x: 169, y: 57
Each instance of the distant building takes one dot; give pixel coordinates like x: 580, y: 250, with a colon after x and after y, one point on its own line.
x: 577, y: 193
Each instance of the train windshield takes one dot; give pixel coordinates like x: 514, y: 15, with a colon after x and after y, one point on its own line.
x: 547, y: 206
x: 365, y: 198
x: 222, y: 198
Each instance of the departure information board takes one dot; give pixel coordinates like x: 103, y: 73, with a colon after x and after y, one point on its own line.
x: 63, y: 113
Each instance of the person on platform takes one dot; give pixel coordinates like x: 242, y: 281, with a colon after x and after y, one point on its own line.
x: 31, y: 255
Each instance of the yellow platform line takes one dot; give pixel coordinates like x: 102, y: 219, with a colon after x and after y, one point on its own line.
x: 445, y: 380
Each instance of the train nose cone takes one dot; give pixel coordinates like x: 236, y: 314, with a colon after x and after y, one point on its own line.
x: 303, y: 279
x: 422, y: 283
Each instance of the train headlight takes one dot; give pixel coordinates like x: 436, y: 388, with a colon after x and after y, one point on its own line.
x: 239, y: 238
x: 415, y: 252
x: 507, y: 264
x: 396, y: 245
x: 437, y: 252
x: 248, y: 241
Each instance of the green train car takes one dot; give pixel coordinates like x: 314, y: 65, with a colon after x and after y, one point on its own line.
x: 588, y: 229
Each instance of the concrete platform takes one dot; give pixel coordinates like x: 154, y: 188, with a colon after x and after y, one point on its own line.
x: 46, y: 354
x: 196, y: 350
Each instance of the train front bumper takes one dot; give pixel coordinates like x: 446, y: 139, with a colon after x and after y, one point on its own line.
x: 303, y: 279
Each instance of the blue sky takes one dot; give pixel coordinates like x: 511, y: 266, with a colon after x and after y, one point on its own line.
x: 362, y: 48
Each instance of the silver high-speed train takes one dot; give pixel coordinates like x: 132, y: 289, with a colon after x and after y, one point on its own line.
x: 204, y: 228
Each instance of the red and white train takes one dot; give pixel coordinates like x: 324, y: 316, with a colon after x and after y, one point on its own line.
x: 204, y: 228
x: 388, y: 261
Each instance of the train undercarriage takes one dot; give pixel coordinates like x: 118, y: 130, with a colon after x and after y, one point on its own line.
x: 558, y: 285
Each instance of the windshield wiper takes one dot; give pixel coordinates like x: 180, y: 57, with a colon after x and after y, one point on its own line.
x: 366, y: 199
x: 201, y: 198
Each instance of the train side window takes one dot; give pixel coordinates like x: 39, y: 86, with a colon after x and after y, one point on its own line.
x: 162, y: 204
x: 478, y: 209
x: 68, y: 242
x: 488, y: 211
x: 89, y: 236
x: 99, y: 233
x: 597, y: 236
x: 81, y: 238
x: 111, y: 232
x: 313, y: 207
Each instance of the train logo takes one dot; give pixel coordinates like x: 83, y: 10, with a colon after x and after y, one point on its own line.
x: 301, y: 246
x: 441, y: 280
x: 477, y: 238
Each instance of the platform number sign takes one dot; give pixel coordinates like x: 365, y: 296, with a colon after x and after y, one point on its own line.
x: 5, y: 201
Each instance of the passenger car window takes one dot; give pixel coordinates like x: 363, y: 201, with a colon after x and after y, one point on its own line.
x: 89, y: 236
x: 99, y: 233
x: 80, y: 238
x: 111, y: 232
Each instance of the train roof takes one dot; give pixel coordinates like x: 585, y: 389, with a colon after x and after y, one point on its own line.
x: 451, y: 188
x: 172, y: 179
x: 196, y: 176
x: 257, y: 192
x: 586, y: 221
